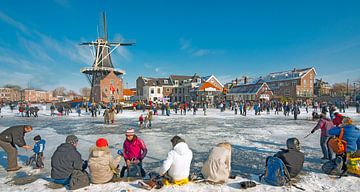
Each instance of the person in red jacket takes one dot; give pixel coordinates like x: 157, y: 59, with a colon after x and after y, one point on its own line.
x: 338, y: 119
x: 134, y: 152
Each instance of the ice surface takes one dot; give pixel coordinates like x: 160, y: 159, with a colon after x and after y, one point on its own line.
x: 252, y: 138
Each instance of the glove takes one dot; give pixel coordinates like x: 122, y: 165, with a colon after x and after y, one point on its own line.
x: 119, y: 152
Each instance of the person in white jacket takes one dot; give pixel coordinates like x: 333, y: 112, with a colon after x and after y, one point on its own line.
x: 176, y: 167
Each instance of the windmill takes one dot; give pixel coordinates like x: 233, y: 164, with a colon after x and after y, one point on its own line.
x: 101, y: 49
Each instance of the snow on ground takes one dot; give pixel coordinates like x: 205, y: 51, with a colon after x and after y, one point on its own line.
x: 253, y: 138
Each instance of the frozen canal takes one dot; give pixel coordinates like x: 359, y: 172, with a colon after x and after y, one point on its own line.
x: 252, y: 138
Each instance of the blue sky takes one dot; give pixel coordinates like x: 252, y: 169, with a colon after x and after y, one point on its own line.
x: 39, y: 40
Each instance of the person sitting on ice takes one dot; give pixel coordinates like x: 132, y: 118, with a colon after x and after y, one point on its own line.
x: 101, y: 163
x: 176, y: 168
x: 38, y: 149
x: 218, y: 165
x: 292, y: 157
x: 134, y: 152
x: 324, y: 125
x: 67, y: 162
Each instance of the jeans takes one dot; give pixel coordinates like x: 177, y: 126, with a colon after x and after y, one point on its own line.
x: 327, y: 153
x: 62, y: 181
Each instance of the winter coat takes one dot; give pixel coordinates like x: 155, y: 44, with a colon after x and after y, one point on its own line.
x: 39, y: 146
x: 293, y: 160
x: 64, y: 161
x: 106, y: 115
x: 14, y: 135
x: 217, y: 167
x: 135, y: 149
x: 337, y: 120
x: 177, y: 163
x: 112, y: 114
x: 351, y: 136
x: 102, y: 164
x: 324, y: 125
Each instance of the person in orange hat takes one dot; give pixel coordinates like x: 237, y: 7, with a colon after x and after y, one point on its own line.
x: 101, y: 163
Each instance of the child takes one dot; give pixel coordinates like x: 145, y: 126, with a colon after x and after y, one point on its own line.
x: 141, y: 121
x: 106, y: 115
x: 38, y: 149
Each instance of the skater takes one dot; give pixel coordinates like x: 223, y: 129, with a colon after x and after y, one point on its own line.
x: 194, y: 108
x: 112, y: 115
x: 67, y: 164
x: 134, y: 152
x: 292, y: 157
x: 236, y: 106
x: 204, y: 109
x: 106, y: 116
x: 218, y: 165
x: 141, y: 121
x: 38, y: 156
x: 244, y: 108
x: 296, y: 111
x: 11, y: 137
x: 102, y: 165
x: 149, y: 119
x: 78, y: 110
x: 176, y: 167
x: 324, y: 125
x: 167, y: 109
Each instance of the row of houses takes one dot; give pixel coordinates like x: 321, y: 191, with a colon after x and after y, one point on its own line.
x: 28, y: 95
x: 294, y: 84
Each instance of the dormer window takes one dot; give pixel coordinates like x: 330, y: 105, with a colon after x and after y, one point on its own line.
x: 199, y: 80
x: 166, y: 81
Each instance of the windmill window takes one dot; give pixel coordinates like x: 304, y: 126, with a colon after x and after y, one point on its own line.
x: 112, y: 82
x: 117, y: 90
x: 106, y: 89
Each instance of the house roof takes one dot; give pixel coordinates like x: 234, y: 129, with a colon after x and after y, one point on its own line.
x: 285, y: 75
x: 246, y: 89
x: 157, y: 81
x: 206, y: 85
x: 180, y: 77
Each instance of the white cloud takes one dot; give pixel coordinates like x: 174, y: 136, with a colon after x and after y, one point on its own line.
x: 13, y: 23
x: 186, y: 45
x: 122, y: 50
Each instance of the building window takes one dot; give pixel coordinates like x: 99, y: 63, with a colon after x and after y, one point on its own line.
x: 281, y: 84
x: 311, y: 82
x: 152, y: 91
x: 166, y: 81
x: 180, y: 99
x: 179, y: 90
x: 112, y: 82
x: 294, y: 83
x: 199, y: 80
x: 159, y: 91
x: 304, y: 82
x: 287, y: 92
x: 117, y: 90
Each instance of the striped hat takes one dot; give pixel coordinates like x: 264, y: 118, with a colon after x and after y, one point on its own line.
x: 130, y: 131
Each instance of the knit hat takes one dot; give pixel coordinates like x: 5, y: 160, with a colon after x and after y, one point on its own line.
x: 72, y: 139
x: 37, y: 138
x: 101, y: 142
x: 347, y: 121
x: 130, y: 131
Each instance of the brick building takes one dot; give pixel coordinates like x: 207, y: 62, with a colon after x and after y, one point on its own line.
x: 295, y: 84
x: 37, y: 96
x: 9, y: 94
x: 250, y: 92
x: 154, y: 89
x: 109, y: 89
x: 321, y: 88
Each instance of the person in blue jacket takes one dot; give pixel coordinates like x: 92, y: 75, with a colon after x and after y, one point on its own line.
x: 351, y: 134
x: 38, y: 149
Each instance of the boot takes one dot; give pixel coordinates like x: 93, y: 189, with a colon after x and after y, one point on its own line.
x: 247, y: 184
x: 13, y: 169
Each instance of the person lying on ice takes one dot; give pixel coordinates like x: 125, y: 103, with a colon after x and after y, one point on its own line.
x: 218, y: 165
x: 134, y: 152
x: 101, y: 163
x: 176, y: 167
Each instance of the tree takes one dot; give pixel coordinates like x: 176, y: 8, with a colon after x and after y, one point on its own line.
x: 85, y: 91
x: 60, y: 91
x: 338, y: 89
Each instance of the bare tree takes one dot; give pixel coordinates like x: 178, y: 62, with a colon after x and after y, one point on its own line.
x: 85, y: 91
x: 338, y: 89
x: 60, y: 91
x: 12, y: 86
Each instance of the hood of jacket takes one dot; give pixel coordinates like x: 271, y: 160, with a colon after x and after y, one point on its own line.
x: 181, y: 148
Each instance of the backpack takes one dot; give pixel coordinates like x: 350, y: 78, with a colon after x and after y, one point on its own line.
x: 333, y: 167
x: 134, y: 170
x: 353, y: 166
x: 79, y: 179
x: 337, y: 144
x: 276, y: 172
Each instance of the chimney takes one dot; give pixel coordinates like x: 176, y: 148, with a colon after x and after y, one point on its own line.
x: 245, y: 80
x: 294, y: 69
x: 236, y: 81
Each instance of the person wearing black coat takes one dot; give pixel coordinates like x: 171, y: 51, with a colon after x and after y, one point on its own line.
x: 292, y: 157
x: 65, y: 160
x: 9, y: 139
